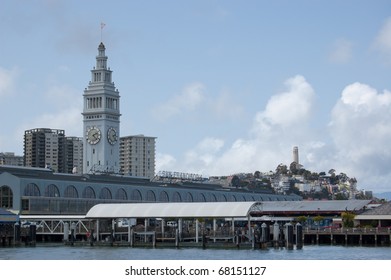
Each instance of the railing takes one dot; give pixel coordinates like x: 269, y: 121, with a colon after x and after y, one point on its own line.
x: 377, y: 230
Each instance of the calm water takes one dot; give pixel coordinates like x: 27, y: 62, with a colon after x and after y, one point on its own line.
x: 59, y: 252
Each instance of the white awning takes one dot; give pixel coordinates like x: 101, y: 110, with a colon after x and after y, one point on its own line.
x: 173, y: 210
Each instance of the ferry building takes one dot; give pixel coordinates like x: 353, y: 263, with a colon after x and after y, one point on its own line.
x: 41, y: 191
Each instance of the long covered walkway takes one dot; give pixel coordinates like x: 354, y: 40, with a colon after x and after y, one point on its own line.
x: 186, y: 220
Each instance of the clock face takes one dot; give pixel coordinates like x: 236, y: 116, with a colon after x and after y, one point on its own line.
x: 112, y: 136
x: 93, y: 135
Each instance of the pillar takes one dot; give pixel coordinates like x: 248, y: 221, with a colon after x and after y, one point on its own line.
x: 289, y: 236
x: 197, y: 230
x: 299, y: 236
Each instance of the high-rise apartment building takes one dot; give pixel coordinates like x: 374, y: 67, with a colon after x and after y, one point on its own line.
x: 11, y: 159
x: 74, y: 155
x: 45, y: 148
x: 137, y: 156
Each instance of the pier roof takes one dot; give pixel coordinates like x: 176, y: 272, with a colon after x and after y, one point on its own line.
x: 222, y: 209
x: 173, y: 210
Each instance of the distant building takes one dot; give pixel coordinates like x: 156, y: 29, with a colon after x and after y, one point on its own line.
x: 137, y: 156
x: 74, y: 155
x: 11, y: 159
x: 45, y: 148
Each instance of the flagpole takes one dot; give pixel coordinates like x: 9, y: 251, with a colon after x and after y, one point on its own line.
x: 101, y: 30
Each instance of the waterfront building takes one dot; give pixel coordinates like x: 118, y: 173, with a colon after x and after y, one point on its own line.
x: 45, y: 148
x: 40, y: 191
x: 9, y: 158
x: 137, y: 156
x: 101, y: 119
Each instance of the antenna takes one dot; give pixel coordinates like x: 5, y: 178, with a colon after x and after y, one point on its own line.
x: 102, y: 25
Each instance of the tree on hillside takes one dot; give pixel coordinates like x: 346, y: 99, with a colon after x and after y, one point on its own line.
x: 282, y: 169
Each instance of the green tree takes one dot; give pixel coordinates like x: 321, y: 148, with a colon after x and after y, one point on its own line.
x: 348, y: 219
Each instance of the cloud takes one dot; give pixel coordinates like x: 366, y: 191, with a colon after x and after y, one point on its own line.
x: 7, y: 81
x: 287, y: 109
x: 190, y: 98
x: 361, y: 133
x: 342, y: 51
x: 382, y: 41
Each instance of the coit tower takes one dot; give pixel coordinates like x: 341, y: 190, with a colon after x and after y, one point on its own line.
x: 296, y: 154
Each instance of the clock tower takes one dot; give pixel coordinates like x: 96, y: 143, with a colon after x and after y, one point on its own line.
x: 101, y: 122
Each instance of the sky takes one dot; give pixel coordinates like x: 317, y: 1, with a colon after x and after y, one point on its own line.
x: 225, y: 86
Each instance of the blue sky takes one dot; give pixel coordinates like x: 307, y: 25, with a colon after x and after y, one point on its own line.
x: 225, y: 86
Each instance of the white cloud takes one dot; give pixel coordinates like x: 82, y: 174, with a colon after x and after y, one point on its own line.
x: 341, y: 52
x: 7, y: 81
x: 361, y: 131
x: 292, y: 107
x: 190, y: 98
x: 165, y: 162
x: 383, y: 40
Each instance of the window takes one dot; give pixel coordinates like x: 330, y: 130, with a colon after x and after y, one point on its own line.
x: 176, y: 197
x: 71, y: 191
x: 136, y: 195
x: 121, y: 194
x: 88, y: 192
x: 151, y: 196
x: 105, y: 194
x: 32, y: 190
x: 52, y: 191
x: 163, y: 197
x: 6, y: 197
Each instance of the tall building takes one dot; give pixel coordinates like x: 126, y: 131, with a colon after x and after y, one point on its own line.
x: 45, y: 148
x: 11, y: 159
x: 101, y: 120
x: 74, y: 155
x: 137, y: 156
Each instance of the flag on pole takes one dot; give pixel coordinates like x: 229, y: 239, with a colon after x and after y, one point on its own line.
x: 102, y: 25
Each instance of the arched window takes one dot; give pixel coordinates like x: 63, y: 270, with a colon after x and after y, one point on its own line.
x: 32, y: 190
x: 176, y: 197
x: 6, y: 197
x: 223, y: 198
x: 52, y: 191
x: 71, y: 191
x: 189, y: 197
x: 213, y: 197
x: 151, y: 196
x: 201, y: 197
x: 136, y: 195
x: 105, y: 194
x: 88, y: 192
x: 121, y: 194
x: 163, y: 197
